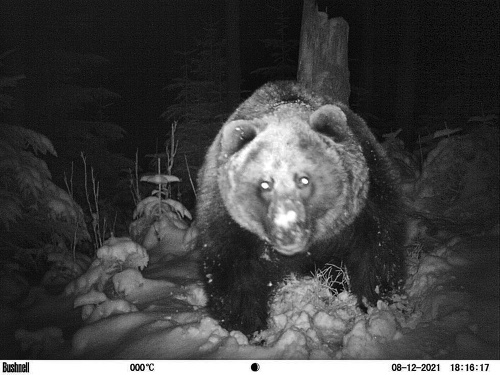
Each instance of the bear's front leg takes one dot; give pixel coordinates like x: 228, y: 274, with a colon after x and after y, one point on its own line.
x: 238, y: 292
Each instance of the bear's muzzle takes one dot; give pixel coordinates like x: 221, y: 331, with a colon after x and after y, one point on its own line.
x: 287, y: 228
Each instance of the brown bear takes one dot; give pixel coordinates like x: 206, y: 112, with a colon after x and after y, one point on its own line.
x: 292, y: 182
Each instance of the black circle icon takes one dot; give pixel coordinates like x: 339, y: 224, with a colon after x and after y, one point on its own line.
x: 255, y: 367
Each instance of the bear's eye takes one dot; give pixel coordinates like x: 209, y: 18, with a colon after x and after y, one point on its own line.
x: 302, y: 181
x: 266, y: 185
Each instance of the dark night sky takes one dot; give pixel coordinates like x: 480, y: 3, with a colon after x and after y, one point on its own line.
x: 140, y: 37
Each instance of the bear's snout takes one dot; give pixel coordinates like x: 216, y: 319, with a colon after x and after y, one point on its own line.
x: 287, y: 228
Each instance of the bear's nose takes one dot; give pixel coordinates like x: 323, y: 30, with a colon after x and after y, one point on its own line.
x: 288, y: 232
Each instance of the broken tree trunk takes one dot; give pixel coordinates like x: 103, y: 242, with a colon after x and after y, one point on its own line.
x: 323, y: 65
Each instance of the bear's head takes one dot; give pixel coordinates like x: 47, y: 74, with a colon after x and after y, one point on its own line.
x: 293, y: 175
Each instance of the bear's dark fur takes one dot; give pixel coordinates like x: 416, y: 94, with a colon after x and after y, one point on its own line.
x: 293, y: 181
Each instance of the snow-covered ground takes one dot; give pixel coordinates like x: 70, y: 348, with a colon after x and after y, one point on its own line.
x: 449, y: 310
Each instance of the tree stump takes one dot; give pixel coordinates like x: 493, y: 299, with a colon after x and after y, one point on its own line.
x: 323, y: 64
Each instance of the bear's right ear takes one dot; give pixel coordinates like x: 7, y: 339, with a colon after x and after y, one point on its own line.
x: 331, y: 121
x: 236, y: 134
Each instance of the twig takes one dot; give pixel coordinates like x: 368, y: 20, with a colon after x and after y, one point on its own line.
x: 85, y: 181
x: 159, y: 188
x: 95, y: 215
x: 134, y: 180
x: 69, y: 186
x: 190, y: 179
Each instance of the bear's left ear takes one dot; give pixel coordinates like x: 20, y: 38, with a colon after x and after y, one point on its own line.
x: 331, y: 121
